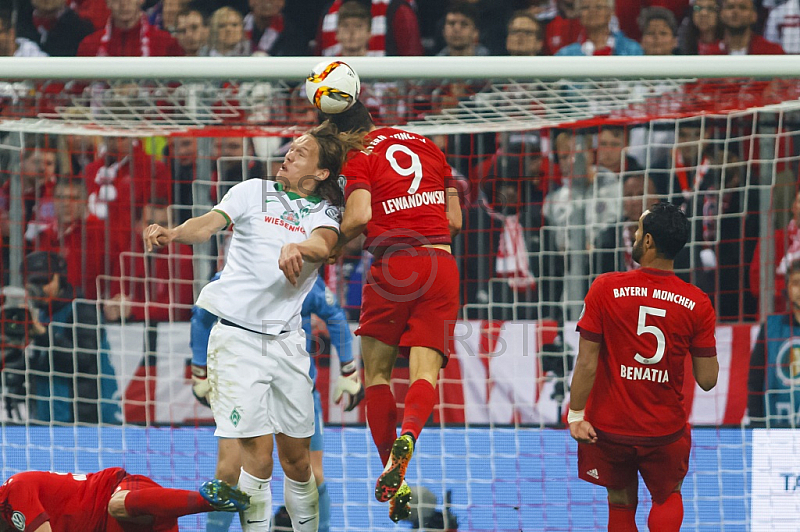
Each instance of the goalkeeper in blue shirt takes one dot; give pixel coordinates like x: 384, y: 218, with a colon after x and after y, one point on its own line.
x: 322, y: 302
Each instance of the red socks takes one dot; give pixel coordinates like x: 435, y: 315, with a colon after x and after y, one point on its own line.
x: 165, y: 502
x: 382, y: 418
x: 668, y: 516
x: 420, y: 399
x: 622, y: 518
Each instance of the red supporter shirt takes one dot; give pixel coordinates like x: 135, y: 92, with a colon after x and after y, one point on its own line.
x: 647, y: 321
x: 407, y: 175
x: 138, y: 41
x: 86, y: 251
x: 560, y: 32
x: 70, y: 502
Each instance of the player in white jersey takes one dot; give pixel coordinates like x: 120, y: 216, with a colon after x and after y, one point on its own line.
x: 257, y: 362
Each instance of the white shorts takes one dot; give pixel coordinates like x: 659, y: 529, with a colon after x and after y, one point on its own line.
x: 259, y: 383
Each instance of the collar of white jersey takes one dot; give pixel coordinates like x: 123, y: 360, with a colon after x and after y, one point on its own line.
x: 294, y: 195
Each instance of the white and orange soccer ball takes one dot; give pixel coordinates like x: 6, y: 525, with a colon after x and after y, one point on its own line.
x: 333, y: 87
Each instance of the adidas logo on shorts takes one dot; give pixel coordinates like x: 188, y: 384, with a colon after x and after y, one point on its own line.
x: 593, y: 473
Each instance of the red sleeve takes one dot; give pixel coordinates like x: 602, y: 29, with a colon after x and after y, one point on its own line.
x: 704, y: 343
x: 89, y: 45
x: 405, y: 28
x: 23, y: 498
x: 590, y: 324
x: 356, y: 172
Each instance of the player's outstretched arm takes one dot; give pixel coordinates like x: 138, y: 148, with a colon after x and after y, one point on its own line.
x: 44, y: 528
x: 192, y: 231
x: 316, y: 248
x: 582, y: 382
x: 706, y: 371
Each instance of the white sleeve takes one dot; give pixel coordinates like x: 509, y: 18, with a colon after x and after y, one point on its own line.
x: 325, y: 216
x: 235, y: 203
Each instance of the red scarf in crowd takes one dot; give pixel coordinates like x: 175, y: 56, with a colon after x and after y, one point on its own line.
x: 268, y: 38
x: 377, y: 41
x: 512, y: 261
x: 144, y: 38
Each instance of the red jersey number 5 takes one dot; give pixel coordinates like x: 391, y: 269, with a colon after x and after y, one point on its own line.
x: 651, y: 329
x: 415, y: 169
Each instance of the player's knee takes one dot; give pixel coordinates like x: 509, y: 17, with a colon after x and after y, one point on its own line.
x: 116, y: 505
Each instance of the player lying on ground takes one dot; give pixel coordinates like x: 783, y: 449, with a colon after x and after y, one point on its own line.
x: 110, y: 500
x: 626, y: 402
x: 322, y: 302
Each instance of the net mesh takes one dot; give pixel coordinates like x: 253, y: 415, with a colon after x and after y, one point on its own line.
x: 551, y: 175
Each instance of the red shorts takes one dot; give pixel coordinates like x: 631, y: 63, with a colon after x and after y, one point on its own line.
x: 411, y: 299
x: 614, y: 465
x: 161, y: 524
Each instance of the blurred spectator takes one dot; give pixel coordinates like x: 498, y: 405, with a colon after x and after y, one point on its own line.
x: 611, y: 144
x: 55, y: 28
x: 614, y: 245
x: 80, y: 238
x: 738, y: 38
x: 235, y: 163
x: 564, y: 29
x: 183, y: 159
x: 786, y: 245
x: 269, y: 33
x: 128, y: 33
x: 120, y: 183
x: 502, y: 232
x: 688, y: 164
x: 95, y: 11
x: 783, y: 26
x: 597, y: 37
x: 74, y: 381
x: 38, y: 167
x: 773, y: 399
x: 13, y: 46
x: 158, y: 285
x: 659, y: 31
x: 353, y: 29
x: 191, y: 31
x: 460, y: 31
x: 525, y: 36
x: 576, y: 213
x: 394, y: 29
x: 701, y: 32
x: 226, y: 35
x: 164, y: 14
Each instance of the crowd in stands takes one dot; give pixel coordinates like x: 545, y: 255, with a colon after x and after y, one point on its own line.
x: 539, y: 207
x: 398, y: 27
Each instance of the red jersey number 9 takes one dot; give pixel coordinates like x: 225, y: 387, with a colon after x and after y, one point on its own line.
x: 415, y: 169
x: 651, y: 329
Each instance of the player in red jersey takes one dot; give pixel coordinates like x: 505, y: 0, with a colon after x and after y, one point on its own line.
x: 400, y: 192
x: 110, y: 500
x: 626, y: 405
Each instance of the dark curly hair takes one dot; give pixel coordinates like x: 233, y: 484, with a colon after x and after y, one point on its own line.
x: 668, y: 226
x: 334, y: 149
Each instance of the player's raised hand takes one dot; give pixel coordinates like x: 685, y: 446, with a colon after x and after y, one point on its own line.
x: 291, y: 262
x: 583, y: 432
x: 156, y: 236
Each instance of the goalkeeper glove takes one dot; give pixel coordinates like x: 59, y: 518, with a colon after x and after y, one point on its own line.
x: 200, y: 385
x: 348, y: 383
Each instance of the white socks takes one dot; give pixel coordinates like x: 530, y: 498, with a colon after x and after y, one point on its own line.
x: 302, y: 503
x: 257, y: 517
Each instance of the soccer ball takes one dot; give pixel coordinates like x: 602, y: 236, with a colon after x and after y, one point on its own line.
x: 333, y: 87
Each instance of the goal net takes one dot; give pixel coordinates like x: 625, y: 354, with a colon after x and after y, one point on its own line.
x: 555, y: 162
